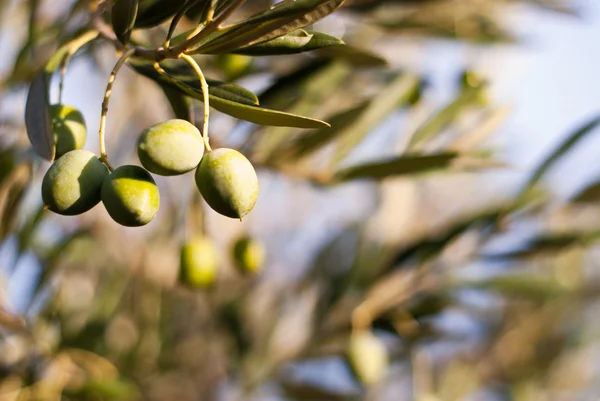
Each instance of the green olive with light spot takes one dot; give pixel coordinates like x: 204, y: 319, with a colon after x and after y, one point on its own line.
x: 72, y: 184
x: 367, y: 357
x: 171, y: 147
x: 249, y: 255
x: 69, y: 128
x: 198, y: 262
x: 227, y: 182
x: 130, y: 196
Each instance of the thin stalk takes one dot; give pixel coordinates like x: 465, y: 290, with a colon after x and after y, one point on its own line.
x: 111, y: 80
x: 206, y: 101
x: 63, y: 72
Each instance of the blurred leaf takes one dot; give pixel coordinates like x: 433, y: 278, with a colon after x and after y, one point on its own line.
x: 440, y: 121
x: 402, y: 165
x: 353, y: 55
x: 520, y: 285
x: 560, y: 151
x: 590, y: 194
x: 234, y: 108
x: 108, y: 390
x: 311, y: 392
x: 282, y: 18
x: 546, y: 244
x: 396, y: 94
x: 298, y: 41
x: 12, y: 191
x: 123, y: 15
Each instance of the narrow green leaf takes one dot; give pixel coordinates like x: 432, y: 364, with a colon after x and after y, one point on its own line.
x: 295, y: 42
x: 402, y: 165
x: 446, y: 116
x: 546, y: 244
x: 123, y: 15
x: 179, y: 103
x: 37, y: 112
x: 224, y: 102
x: 560, y: 151
x: 396, y: 94
x: 37, y: 117
x: 154, y: 12
x: 353, y: 55
x: 282, y: 18
x: 183, y: 74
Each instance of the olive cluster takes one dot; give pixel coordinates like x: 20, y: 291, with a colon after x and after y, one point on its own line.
x: 78, y: 180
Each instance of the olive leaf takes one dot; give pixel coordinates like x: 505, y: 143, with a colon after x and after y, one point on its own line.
x: 588, y: 195
x: 298, y: 41
x: 153, y: 12
x: 123, y: 15
x: 179, y: 103
x: 282, y: 18
x: 402, y: 165
x: 37, y: 109
x: 352, y: 55
x: 227, y: 98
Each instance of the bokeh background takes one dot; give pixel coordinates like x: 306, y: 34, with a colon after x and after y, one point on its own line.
x: 479, y: 272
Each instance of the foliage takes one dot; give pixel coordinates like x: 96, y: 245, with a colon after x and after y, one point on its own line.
x: 108, y: 317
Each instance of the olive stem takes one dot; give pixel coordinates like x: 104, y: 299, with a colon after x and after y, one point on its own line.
x: 204, y: 86
x: 111, y: 80
x: 63, y: 72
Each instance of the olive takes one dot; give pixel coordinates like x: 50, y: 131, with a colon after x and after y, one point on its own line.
x: 171, y: 147
x: 130, y: 196
x: 227, y: 182
x: 198, y: 262
x: 234, y: 65
x: 249, y: 255
x: 69, y: 128
x: 367, y: 357
x: 72, y: 184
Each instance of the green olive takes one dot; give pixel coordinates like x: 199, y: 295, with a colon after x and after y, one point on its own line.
x: 234, y: 65
x: 367, y: 357
x: 198, y: 262
x: 69, y: 128
x: 171, y: 148
x: 227, y: 182
x: 249, y: 255
x: 72, y: 184
x: 130, y: 196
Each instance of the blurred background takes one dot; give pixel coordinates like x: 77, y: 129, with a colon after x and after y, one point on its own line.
x: 452, y: 209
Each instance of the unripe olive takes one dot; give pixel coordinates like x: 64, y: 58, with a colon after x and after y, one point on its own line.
x: 249, y: 255
x: 69, y: 128
x: 72, y: 184
x: 171, y: 147
x: 367, y: 357
x: 198, y: 262
x: 130, y: 196
x: 227, y: 182
x: 234, y: 65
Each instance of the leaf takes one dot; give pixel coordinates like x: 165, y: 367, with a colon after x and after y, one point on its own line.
x: 37, y: 117
x: 397, y: 93
x: 282, y: 18
x: 179, y: 103
x: 560, y: 151
x: 402, y: 165
x: 446, y: 116
x: 353, y: 55
x: 590, y: 194
x: 154, y: 12
x: 123, y: 15
x: 182, y: 75
x: 520, y: 285
x: 225, y: 99
x: 294, y: 42
x: 37, y: 111
x: 546, y: 244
